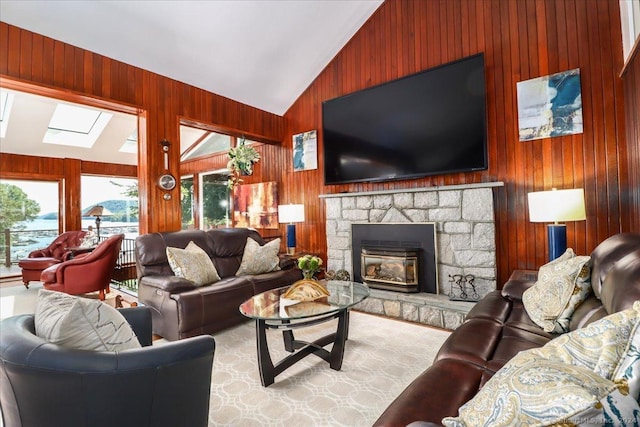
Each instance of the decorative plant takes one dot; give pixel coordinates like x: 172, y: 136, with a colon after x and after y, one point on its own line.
x: 310, y: 265
x: 241, y: 160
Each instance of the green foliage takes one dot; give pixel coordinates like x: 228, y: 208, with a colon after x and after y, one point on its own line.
x: 15, y: 206
x: 241, y: 160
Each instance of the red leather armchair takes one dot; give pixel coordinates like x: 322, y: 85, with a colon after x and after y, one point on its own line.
x: 55, y: 253
x: 85, y: 273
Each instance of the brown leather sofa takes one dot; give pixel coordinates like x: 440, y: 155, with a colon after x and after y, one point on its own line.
x: 41, y: 259
x: 498, y: 327
x: 179, y: 308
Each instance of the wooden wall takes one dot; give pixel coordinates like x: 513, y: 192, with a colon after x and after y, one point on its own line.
x: 521, y: 40
x: 631, y: 78
x: 71, y: 72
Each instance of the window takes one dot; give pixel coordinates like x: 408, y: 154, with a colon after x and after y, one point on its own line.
x: 120, y: 198
x: 29, y: 210
x: 186, y: 202
x: 215, y: 200
x: 630, y: 19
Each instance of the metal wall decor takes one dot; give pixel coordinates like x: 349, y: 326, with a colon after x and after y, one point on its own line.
x: 463, y: 288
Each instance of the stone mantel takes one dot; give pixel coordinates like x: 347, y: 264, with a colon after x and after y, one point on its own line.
x: 416, y: 190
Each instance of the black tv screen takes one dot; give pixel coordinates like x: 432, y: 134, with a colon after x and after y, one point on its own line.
x: 428, y: 123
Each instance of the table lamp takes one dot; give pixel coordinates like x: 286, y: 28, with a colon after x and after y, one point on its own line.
x: 98, y: 211
x: 557, y: 206
x: 289, y: 214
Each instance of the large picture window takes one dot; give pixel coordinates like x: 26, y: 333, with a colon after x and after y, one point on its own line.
x: 29, y: 219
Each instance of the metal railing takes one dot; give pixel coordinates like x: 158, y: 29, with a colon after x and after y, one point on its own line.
x: 124, y: 276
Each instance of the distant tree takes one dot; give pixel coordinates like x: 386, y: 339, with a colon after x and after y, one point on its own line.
x: 131, y: 192
x: 16, y: 206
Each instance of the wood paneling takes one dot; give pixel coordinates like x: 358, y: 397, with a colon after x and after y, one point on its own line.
x: 521, y: 40
x: 631, y: 78
x: 35, y: 59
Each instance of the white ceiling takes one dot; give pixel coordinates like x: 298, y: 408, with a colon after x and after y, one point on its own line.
x: 263, y: 53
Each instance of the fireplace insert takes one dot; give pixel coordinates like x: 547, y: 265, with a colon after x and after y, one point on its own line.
x: 390, y: 268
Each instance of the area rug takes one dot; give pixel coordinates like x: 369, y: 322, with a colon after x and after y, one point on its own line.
x: 382, y: 357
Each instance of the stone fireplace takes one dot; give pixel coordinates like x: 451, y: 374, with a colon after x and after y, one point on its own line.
x: 464, y: 244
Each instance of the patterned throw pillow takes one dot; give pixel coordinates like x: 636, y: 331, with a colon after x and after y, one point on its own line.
x: 192, y: 263
x: 82, y: 323
x: 598, y: 346
x: 258, y: 259
x: 529, y: 391
x: 628, y: 368
x: 562, y: 285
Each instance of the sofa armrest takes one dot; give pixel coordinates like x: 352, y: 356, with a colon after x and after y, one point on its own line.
x: 520, y: 281
x: 287, y: 261
x: 140, y: 320
x: 170, y: 284
x: 48, y: 275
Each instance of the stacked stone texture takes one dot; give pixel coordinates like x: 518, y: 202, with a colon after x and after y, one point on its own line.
x: 465, y: 240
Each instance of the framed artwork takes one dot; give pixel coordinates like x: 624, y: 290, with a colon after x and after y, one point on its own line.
x: 550, y: 106
x: 256, y: 205
x: 305, y: 151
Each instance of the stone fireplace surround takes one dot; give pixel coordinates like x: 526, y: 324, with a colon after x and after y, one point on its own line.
x: 465, y: 243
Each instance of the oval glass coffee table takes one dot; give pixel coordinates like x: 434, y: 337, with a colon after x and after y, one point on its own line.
x: 271, y: 311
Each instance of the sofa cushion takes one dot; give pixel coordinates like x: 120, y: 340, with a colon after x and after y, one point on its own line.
x: 259, y: 259
x: 192, y: 263
x: 82, y: 323
x: 533, y: 391
x: 561, y: 286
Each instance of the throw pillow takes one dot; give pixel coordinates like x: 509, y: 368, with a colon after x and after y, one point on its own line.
x: 537, y: 392
x: 192, y: 263
x: 258, y: 259
x: 562, y: 285
x: 628, y: 368
x: 82, y: 323
x: 598, y: 346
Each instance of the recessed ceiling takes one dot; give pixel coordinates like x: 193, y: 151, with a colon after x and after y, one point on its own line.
x: 263, y: 53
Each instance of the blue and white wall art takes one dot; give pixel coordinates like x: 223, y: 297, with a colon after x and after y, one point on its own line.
x: 550, y: 106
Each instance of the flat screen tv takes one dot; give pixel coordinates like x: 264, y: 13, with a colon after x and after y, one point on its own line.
x: 428, y: 123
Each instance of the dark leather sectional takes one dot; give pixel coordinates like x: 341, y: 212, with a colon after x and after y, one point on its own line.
x: 179, y: 308
x: 498, y: 327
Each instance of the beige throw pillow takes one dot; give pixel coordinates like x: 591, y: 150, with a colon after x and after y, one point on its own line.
x: 562, y: 285
x: 192, y: 263
x: 259, y: 259
x: 82, y: 323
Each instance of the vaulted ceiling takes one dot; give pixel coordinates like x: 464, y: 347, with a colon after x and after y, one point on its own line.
x: 263, y: 53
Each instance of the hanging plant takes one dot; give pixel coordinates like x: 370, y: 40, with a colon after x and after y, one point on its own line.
x: 241, y: 160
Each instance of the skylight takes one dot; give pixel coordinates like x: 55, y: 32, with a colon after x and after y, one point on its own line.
x: 131, y: 143
x: 75, y: 126
x: 6, y: 101
x: 213, y: 143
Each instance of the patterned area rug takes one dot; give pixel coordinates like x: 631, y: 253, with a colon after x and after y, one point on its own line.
x: 382, y: 357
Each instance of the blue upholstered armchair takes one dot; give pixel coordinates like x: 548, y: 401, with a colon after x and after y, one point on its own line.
x: 42, y: 384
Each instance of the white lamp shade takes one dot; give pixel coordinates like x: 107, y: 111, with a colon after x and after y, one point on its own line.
x: 557, y: 206
x: 290, y: 213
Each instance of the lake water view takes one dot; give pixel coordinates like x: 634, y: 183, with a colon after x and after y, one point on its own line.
x: 41, y: 232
